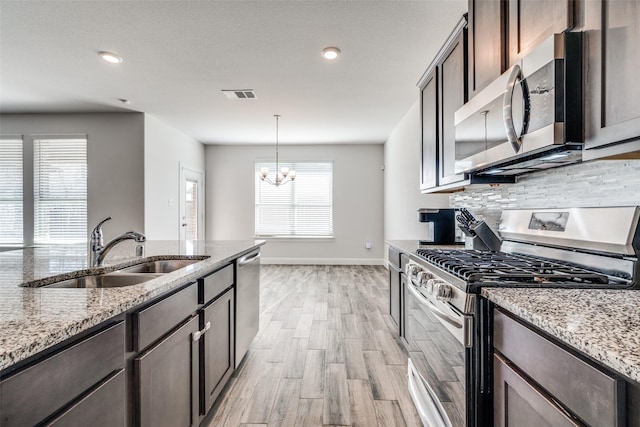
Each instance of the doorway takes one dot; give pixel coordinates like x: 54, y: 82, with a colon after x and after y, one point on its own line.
x: 191, y: 204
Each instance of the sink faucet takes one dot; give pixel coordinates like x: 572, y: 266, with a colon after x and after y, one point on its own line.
x: 99, y: 249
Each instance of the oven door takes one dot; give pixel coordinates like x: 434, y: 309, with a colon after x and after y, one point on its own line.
x: 435, y: 332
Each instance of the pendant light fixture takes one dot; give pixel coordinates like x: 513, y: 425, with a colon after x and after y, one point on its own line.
x: 283, y: 175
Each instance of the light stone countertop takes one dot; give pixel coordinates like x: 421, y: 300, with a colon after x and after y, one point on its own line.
x: 410, y: 246
x: 33, y: 319
x: 603, y: 324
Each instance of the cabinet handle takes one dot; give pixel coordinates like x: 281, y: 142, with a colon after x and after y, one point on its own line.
x: 198, y: 334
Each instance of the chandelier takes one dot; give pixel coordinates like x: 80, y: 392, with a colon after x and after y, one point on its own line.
x: 283, y: 175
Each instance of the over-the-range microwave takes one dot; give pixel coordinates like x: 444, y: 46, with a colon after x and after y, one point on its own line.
x: 530, y: 118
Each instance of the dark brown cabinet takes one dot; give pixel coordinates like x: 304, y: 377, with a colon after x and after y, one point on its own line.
x: 453, y: 87
x: 62, y: 385
x: 520, y: 403
x: 167, y: 379
x: 429, y: 147
x: 486, y: 43
x: 612, y: 89
x: 394, y: 286
x: 532, y: 22
x: 540, y: 382
x: 217, y: 347
x: 443, y: 90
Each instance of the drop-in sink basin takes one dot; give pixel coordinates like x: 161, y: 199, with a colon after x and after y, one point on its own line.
x: 110, y: 280
x: 161, y: 266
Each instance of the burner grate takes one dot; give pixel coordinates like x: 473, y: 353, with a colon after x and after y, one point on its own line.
x: 482, y: 266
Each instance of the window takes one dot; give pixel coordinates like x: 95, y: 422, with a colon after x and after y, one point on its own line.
x: 303, y: 208
x: 11, y: 204
x: 60, y: 190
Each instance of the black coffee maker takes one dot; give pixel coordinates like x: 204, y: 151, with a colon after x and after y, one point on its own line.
x: 444, y: 225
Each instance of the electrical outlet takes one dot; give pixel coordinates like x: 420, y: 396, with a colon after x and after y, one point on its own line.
x: 367, y: 244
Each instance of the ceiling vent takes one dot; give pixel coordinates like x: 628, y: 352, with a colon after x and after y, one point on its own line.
x: 240, y: 94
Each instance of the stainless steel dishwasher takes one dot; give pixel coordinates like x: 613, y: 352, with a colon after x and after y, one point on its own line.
x: 247, y: 302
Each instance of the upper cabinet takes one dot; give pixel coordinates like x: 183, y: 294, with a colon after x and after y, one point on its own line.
x: 531, y: 22
x: 429, y: 114
x: 502, y: 31
x: 612, y: 89
x: 486, y: 43
x: 442, y: 90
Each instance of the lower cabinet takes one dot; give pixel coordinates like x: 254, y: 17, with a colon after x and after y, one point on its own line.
x: 69, y: 383
x: 538, y: 382
x: 167, y: 379
x: 217, y: 347
x: 102, y: 406
x: 394, y: 294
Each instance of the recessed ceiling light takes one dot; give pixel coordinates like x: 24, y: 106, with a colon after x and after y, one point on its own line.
x: 330, y: 52
x: 110, y: 57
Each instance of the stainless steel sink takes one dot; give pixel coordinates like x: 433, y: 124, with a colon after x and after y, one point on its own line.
x: 161, y: 266
x: 110, y: 280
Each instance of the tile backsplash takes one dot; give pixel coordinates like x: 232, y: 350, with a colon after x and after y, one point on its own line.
x: 597, y: 183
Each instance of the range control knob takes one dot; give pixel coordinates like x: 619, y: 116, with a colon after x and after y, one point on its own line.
x: 412, y: 270
x: 442, y: 291
x: 423, y: 278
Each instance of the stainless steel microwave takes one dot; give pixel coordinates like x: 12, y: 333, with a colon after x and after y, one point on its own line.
x: 528, y: 119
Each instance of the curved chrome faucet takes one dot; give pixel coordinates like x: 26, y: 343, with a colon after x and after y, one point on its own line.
x: 99, y: 250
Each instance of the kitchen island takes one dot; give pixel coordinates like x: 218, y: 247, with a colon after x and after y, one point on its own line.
x: 159, y: 351
x: 35, y: 318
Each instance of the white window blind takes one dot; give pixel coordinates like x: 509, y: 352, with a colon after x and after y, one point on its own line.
x: 60, y: 190
x: 303, y: 208
x: 11, y: 191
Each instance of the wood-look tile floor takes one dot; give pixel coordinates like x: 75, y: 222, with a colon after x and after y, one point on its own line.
x: 326, y: 354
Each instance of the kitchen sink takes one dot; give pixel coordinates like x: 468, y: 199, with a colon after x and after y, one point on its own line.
x: 161, y: 266
x: 110, y: 280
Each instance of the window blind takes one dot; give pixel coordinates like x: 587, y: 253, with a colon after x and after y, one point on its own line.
x: 303, y: 208
x: 60, y: 190
x: 11, y: 191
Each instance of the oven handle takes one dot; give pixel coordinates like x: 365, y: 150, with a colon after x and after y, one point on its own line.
x: 427, y: 404
x: 432, y: 307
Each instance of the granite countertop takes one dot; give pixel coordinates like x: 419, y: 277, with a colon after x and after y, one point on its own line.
x: 33, y: 319
x: 603, y: 324
x: 410, y: 246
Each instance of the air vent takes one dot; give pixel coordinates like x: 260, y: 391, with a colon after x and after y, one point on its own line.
x: 240, y: 94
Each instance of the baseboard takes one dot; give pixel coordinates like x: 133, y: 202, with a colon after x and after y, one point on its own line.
x: 323, y: 261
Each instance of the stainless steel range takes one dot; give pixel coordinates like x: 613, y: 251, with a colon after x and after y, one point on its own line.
x: 443, y: 315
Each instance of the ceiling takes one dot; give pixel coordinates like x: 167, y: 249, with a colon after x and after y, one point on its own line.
x: 180, y: 55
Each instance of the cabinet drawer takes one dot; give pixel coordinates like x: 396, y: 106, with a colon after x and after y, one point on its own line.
x: 104, y: 406
x: 212, y: 285
x: 404, y: 259
x: 38, y: 391
x: 394, y: 257
x: 156, y: 320
x: 588, y: 392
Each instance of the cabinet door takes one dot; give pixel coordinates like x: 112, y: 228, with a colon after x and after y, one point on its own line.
x: 217, y: 347
x: 429, y: 147
x: 394, y: 294
x: 612, y: 98
x: 103, y: 406
x: 454, y: 95
x: 518, y: 402
x: 531, y: 22
x: 167, y: 380
x: 486, y: 46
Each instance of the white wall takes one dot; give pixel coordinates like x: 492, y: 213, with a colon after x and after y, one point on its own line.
x: 402, y: 182
x: 165, y: 149
x: 358, y: 201
x: 115, y: 157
